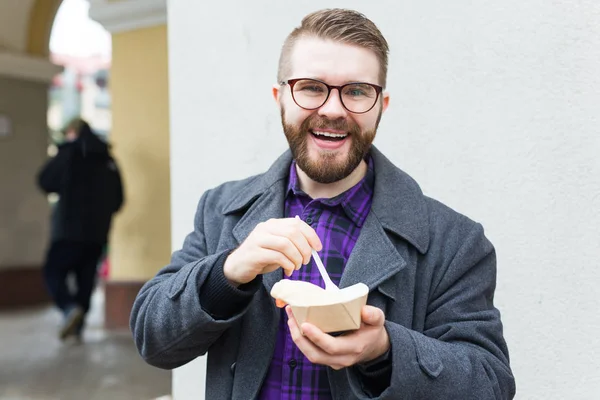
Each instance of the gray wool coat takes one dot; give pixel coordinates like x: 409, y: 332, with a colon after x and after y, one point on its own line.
x: 430, y: 269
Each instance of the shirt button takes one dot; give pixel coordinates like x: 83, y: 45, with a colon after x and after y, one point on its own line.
x: 293, y: 363
x: 309, y: 220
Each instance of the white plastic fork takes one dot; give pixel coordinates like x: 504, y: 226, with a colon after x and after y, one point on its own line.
x: 329, y: 285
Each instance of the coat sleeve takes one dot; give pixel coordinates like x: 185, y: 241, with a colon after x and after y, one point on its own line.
x: 461, y: 354
x: 169, y: 323
x: 52, y: 177
x: 117, y: 185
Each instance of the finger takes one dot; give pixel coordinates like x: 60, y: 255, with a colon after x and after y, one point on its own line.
x: 300, y: 241
x: 335, y: 346
x: 271, y: 260
x: 290, y: 314
x: 290, y: 228
x: 282, y: 245
x: 287, y: 271
x: 293, y: 325
x: 310, y: 234
x: 372, y: 316
x: 312, y: 352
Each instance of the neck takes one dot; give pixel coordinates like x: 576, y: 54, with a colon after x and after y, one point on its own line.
x: 318, y: 190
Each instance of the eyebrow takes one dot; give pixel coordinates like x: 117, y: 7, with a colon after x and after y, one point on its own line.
x: 344, y: 83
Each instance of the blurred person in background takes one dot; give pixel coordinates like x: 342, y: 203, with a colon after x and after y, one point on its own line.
x: 87, y: 180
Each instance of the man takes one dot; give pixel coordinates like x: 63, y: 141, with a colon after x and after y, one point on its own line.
x: 429, y: 331
x: 87, y: 180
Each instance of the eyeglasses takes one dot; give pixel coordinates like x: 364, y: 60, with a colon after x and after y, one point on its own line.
x: 356, y: 97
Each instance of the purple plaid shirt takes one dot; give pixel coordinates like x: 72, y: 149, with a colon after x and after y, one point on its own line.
x: 337, y: 222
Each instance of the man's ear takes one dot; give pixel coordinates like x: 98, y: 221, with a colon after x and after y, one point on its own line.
x: 277, y: 94
x: 386, y: 101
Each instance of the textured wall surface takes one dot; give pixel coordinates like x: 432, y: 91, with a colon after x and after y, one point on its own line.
x: 24, y: 211
x: 140, y: 240
x: 494, y: 110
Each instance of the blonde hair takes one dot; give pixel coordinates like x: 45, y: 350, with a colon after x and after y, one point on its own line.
x: 340, y: 25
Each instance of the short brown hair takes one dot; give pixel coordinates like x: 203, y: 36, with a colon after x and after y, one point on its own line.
x: 340, y: 25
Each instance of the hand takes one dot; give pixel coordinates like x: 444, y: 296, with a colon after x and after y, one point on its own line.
x: 367, y: 343
x: 285, y: 243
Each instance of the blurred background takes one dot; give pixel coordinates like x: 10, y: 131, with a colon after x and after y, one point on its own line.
x: 57, y: 63
x: 494, y: 111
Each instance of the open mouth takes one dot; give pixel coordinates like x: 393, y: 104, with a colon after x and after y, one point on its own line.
x: 329, y: 136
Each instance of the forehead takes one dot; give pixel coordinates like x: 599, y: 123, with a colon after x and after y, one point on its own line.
x: 333, y: 62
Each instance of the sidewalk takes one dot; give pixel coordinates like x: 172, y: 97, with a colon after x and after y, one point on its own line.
x: 35, y: 365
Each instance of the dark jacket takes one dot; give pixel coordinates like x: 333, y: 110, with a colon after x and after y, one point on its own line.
x: 88, y: 181
x: 430, y: 269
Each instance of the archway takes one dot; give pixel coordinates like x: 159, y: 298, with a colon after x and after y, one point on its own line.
x: 41, y: 20
x: 82, y: 47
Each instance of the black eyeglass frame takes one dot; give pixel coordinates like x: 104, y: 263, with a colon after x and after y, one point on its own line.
x: 292, y: 82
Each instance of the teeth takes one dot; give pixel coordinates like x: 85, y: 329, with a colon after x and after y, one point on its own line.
x: 329, y: 134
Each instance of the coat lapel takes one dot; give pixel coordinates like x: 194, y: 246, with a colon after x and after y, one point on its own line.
x: 261, y: 200
x: 398, y: 209
x: 374, y: 258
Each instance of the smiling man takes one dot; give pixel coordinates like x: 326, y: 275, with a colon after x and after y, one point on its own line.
x: 430, y: 329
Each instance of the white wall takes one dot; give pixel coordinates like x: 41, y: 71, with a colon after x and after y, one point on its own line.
x: 494, y: 111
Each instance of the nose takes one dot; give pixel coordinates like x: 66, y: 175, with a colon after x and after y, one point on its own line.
x: 333, y: 108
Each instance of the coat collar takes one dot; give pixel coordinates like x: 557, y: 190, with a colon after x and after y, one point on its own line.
x: 398, y: 202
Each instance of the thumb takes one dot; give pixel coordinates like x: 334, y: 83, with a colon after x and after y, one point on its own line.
x: 372, y: 316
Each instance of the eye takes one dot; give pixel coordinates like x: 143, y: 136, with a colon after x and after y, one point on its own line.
x: 358, y: 90
x: 355, y: 92
x: 311, y: 87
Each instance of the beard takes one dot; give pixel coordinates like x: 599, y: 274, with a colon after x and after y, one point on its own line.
x: 328, y: 167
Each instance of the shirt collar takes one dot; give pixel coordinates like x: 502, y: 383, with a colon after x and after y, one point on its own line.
x: 398, y: 203
x: 355, y: 201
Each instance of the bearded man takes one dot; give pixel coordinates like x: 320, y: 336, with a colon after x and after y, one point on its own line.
x: 430, y: 329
